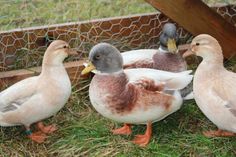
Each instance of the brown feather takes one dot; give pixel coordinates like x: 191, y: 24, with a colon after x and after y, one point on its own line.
x: 140, y: 64
x: 161, y: 61
x: 169, y: 62
x: 124, y: 97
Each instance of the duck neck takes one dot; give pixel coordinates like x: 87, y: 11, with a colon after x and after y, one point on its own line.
x: 214, y: 60
x: 208, y: 67
x: 115, y: 81
x: 162, y: 49
x: 117, y: 73
x: 55, y: 69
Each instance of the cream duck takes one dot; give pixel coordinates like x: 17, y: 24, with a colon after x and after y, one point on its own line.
x: 132, y: 96
x: 214, y: 87
x: 37, y: 98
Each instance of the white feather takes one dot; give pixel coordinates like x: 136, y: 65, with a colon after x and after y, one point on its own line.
x: 132, y: 56
x: 172, y: 81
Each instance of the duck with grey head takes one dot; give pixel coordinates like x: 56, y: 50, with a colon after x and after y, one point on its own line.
x: 132, y: 96
x: 166, y: 57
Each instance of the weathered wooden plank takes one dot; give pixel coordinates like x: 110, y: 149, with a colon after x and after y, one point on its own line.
x: 197, y: 18
x: 10, y: 77
x: 73, y: 68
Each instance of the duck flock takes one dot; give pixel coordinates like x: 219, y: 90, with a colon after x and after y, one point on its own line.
x: 134, y: 87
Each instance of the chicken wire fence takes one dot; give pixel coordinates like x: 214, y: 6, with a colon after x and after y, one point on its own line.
x: 23, y: 48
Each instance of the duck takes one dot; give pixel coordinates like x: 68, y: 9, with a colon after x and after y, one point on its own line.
x: 166, y: 57
x: 214, y: 86
x: 132, y: 96
x: 39, y: 97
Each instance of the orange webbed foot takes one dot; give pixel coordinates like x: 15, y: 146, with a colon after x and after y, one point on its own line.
x: 218, y: 133
x: 143, y: 140
x: 47, y: 129
x: 38, y: 137
x: 125, y: 130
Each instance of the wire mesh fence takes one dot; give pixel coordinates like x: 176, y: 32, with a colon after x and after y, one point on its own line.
x: 22, y: 48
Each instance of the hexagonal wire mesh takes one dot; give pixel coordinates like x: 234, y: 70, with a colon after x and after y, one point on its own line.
x: 24, y: 48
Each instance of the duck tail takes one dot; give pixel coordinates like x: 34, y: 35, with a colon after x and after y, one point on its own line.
x: 187, y: 72
x: 181, y: 81
x: 187, y: 92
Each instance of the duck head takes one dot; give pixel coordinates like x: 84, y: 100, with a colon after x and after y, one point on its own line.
x: 104, y: 58
x: 206, y: 47
x: 169, y: 38
x: 57, y: 51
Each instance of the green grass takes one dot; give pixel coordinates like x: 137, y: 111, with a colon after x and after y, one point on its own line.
x: 25, y: 13
x: 82, y: 131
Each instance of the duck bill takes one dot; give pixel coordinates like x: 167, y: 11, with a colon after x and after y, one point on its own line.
x: 188, y: 53
x: 90, y: 67
x: 72, y: 52
x: 171, y: 45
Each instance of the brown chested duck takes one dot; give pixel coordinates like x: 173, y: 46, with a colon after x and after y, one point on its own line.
x: 132, y: 96
x: 214, y: 87
x: 165, y: 58
x: 36, y: 98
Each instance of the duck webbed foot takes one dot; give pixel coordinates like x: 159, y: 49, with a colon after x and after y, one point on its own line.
x: 143, y: 140
x: 46, y: 129
x: 218, y: 133
x: 125, y: 130
x: 38, y: 137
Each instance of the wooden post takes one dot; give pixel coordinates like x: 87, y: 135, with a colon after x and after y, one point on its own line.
x: 197, y: 18
x: 9, y: 77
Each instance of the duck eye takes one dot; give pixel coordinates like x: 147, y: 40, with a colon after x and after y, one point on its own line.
x: 65, y: 47
x: 97, y: 56
x: 197, y: 44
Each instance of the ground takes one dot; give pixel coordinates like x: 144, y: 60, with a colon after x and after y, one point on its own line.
x: 82, y: 131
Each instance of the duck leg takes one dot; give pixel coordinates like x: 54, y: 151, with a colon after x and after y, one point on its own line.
x: 38, y: 137
x: 125, y: 130
x: 143, y: 140
x: 46, y: 129
x: 218, y: 133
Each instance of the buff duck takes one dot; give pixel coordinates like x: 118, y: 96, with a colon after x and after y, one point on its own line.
x: 36, y: 98
x: 214, y: 87
x: 132, y: 96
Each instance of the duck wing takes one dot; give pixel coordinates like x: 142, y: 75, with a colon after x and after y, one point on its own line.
x: 14, y: 96
x: 225, y: 89
x: 142, y: 58
x: 169, y: 80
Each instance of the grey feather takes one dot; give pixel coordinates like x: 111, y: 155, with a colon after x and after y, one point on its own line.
x: 13, y: 105
x: 7, y: 108
x: 106, y: 58
x: 231, y: 109
x: 187, y: 90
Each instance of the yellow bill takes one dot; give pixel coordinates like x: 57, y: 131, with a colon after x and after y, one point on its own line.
x: 90, y: 67
x: 171, y: 45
